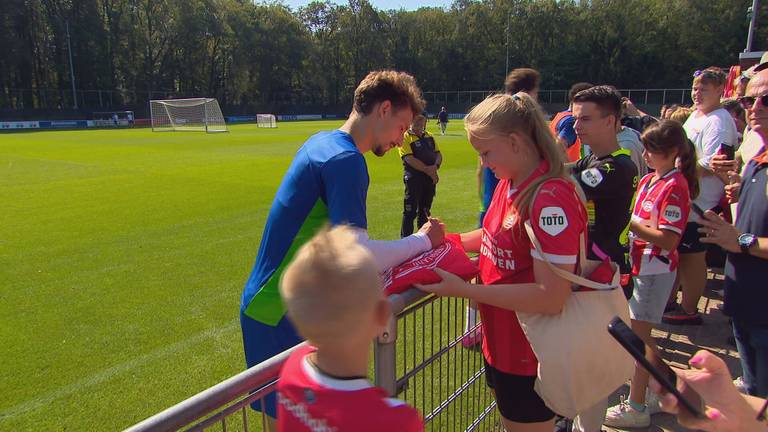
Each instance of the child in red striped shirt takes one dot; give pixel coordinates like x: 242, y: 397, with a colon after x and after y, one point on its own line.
x: 658, y: 220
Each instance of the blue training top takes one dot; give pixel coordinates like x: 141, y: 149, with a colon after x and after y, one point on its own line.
x: 489, y: 185
x: 327, y: 181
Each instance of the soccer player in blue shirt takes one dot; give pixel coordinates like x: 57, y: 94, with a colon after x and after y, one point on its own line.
x: 327, y: 182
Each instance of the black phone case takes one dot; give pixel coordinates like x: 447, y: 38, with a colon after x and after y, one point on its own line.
x: 636, y: 347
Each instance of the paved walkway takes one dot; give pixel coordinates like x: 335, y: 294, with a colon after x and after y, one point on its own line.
x: 679, y: 343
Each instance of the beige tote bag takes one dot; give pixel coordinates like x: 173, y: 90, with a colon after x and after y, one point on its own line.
x: 580, y: 364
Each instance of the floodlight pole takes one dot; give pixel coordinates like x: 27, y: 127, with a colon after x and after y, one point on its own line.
x: 506, y: 64
x: 71, y: 67
x: 752, y: 23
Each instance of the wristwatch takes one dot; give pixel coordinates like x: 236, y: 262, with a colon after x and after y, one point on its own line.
x: 746, y: 241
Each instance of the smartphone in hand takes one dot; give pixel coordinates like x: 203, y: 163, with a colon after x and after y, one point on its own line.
x: 728, y: 150
x: 689, y: 401
x: 698, y: 210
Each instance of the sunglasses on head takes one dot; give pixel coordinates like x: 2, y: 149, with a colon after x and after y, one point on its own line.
x: 749, y: 101
x: 709, y: 74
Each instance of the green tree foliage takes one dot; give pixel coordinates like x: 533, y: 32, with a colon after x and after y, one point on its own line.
x: 264, y: 56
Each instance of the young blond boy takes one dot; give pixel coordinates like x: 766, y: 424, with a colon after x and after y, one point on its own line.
x: 333, y: 295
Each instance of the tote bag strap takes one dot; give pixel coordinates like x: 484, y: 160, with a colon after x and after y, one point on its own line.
x: 576, y: 279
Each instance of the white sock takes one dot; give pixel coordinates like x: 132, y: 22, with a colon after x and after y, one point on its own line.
x: 470, y: 318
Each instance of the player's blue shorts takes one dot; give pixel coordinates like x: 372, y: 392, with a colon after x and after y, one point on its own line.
x: 262, y: 342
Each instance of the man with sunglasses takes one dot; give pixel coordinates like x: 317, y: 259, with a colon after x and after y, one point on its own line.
x: 752, y: 142
x: 709, y: 127
x: 746, y: 269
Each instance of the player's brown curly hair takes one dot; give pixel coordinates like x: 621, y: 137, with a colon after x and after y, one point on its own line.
x: 387, y: 85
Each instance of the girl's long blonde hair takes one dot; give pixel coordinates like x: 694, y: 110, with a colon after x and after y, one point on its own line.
x: 503, y: 114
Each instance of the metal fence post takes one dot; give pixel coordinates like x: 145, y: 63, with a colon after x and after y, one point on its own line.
x: 384, y: 358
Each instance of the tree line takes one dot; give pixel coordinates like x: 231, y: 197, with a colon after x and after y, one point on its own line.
x: 266, y: 57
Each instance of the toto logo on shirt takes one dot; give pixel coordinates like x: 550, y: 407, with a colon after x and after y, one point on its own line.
x: 591, y: 177
x: 553, y: 220
x: 673, y: 213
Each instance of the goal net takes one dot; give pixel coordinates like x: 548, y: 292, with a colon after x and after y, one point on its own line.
x: 266, y: 120
x: 198, y: 114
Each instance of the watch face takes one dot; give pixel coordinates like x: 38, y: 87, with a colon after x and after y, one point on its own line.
x: 746, y: 240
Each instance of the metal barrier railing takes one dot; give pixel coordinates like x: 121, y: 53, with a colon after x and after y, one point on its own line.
x: 220, y: 404
x: 657, y: 96
x: 419, y: 358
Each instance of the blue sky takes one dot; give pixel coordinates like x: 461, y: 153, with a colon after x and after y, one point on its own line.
x: 384, y: 4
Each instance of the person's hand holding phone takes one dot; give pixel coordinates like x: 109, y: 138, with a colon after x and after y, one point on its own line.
x: 727, y: 410
x: 721, y: 163
x: 648, y: 358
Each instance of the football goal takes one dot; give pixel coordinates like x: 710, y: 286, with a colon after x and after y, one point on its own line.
x: 266, y: 120
x: 197, y: 114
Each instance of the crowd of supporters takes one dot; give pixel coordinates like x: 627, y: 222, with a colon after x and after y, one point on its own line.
x: 651, y: 199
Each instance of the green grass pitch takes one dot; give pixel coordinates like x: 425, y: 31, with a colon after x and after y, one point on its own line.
x: 123, y: 254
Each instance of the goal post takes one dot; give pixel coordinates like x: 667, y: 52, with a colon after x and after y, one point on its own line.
x: 196, y: 114
x: 266, y: 121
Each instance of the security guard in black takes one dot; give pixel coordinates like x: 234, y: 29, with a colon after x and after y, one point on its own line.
x: 421, y: 160
x: 609, y: 183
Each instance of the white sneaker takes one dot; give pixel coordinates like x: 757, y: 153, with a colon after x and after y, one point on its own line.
x: 652, y: 403
x: 624, y: 416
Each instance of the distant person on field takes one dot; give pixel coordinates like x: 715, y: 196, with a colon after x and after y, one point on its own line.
x: 442, y: 120
x: 421, y: 160
x: 562, y: 127
x: 327, y: 182
x: 333, y: 294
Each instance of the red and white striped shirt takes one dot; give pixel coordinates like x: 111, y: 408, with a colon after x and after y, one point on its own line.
x: 664, y: 205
